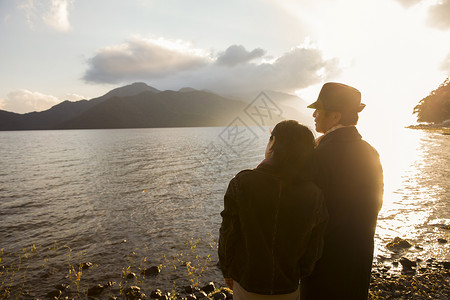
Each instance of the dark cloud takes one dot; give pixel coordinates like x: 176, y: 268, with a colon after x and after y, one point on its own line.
x: 296, y: 69
x: 439, y: 15
x: 237, y: 54
x: 232, y: 71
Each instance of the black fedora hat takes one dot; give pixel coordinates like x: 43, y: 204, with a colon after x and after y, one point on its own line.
x: 338, y: 97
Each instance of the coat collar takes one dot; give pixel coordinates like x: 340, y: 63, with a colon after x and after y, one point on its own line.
x: 348, y: 133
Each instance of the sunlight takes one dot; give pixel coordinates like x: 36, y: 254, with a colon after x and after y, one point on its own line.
x: 381, y: 51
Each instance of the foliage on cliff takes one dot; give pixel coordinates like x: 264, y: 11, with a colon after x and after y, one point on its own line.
x: 436, y: 106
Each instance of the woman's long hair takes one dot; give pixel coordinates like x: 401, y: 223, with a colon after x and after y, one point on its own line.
x: 293, y: 148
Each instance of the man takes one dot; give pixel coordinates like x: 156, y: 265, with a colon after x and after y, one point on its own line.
x: 348, y: 170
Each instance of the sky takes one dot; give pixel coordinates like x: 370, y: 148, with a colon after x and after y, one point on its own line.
x: 394, y: 51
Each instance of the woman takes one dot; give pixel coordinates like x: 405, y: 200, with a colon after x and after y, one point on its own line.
x: 273, y: 219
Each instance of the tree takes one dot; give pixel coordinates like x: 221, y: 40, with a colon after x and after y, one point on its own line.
x: 435, y: 107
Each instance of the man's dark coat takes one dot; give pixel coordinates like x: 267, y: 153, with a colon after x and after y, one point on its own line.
x: 350, y: 175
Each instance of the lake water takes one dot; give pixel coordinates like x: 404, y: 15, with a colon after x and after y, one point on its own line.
x: 134, y: 198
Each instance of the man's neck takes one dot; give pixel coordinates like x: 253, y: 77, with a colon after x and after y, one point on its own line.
x: 334, y: 128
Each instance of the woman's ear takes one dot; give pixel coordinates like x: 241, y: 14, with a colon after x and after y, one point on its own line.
x: 272, y: 141
x: 269, y: 147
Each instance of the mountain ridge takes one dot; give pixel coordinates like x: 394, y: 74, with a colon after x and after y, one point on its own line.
x: 138, y: 105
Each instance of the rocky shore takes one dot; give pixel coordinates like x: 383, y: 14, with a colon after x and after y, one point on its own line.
x: 411, y: 282
x: 396, y: 277
x: 432, y: 282
x: 426, y: 283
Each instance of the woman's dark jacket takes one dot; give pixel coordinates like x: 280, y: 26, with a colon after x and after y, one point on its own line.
x: 350, y: 175
x: 272, y: 230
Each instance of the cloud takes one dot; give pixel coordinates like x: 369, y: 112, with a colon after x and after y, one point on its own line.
x: 54, y: 13
x: 171, y: 66
x: 143, y: 58
x: 446, y: 64
x: 58, y: 15
x: 439, y: 15
x: 24, y: 101
x: 408, y: 3
x: 297, y: 69
x: 236, y: 54
x: 74, y: 97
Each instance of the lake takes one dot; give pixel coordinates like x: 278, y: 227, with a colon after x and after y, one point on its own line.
x: 128, y: 199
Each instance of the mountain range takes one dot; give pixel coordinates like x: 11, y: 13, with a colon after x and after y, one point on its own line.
x: 141, y: 106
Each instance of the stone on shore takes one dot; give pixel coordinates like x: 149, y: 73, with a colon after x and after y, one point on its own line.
x: 62, y: 287
x: 406, y: 263
x: 156, y: 294
x: 200, y: 295
x: 219, y: 296
x: 152, y: 271
x: 54, y: 294
x: 134, y: 293
x: 208, y: 288
x: 86, y: 265
x: 398, y: 244
x: 191, y: 289
x: 95, y: 290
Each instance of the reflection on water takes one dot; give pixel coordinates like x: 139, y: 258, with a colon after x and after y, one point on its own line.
x: 92, y: 190
x: 417, y: 185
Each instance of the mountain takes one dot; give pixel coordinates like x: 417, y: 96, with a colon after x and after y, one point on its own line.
x: 141, y: 106
x: 163, y: 109
x: 64, y: 111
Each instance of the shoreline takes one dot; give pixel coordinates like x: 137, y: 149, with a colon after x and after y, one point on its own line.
x: 391, y: 279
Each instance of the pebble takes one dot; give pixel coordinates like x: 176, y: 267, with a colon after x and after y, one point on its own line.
x: 152, y: 271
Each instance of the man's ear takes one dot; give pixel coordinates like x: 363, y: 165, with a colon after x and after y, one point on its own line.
x: 337, y: 118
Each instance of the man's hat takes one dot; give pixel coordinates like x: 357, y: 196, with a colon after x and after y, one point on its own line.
x: 338, y: 97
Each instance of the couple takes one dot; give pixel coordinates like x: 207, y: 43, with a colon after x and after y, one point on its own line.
x: 308, y: 212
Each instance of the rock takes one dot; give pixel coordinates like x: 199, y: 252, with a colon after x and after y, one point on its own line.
x: 62, y: 287
x: 228, y: 293
x: 134, y: 293
x: 156, y: 294
x: 190, y: 289
x: 86, y: 265
x: 442, y: 241
x: 219, y: 296
x: 209, y: 287
x: 54, y: 294
x: 95, y: 290
x: 406, y: 263
x: 398, y: 244
x: 395, y: 263
x: 200, y: 295
x: 152, y: 271
x: 131, y: 275
x: 191, y: 297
